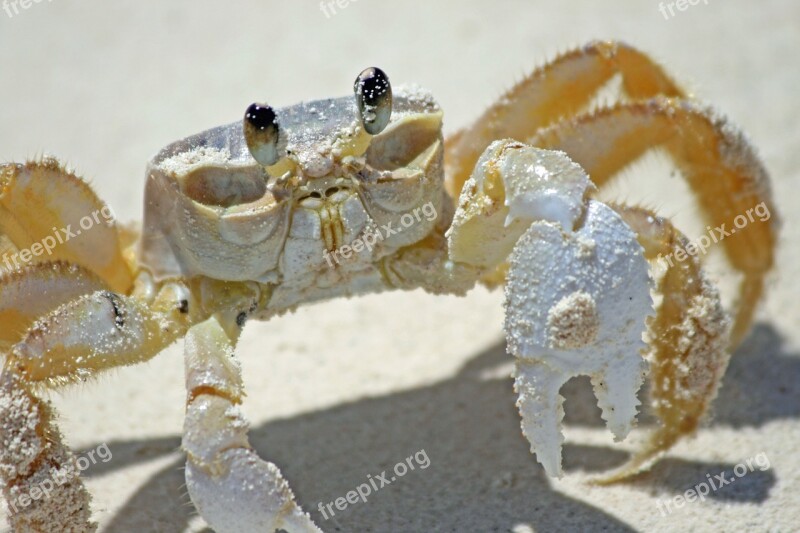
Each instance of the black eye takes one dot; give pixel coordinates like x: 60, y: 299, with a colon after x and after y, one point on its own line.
x: 374, y: 99
x: 263, y: 134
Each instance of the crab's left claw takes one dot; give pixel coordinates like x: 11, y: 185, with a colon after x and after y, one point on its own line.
x: 576, y: 304
x: 577, y: 285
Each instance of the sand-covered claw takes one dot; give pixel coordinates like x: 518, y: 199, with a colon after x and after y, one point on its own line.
x: 576, y: 304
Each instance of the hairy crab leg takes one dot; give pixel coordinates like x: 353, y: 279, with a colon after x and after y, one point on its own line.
x: 33, y: 457
x: 689, y: 342
x: 719, y: 163
x: 559, y: 89
x: 232, y: 488
x: 32, y: 444
x: 93, y: 332
x: 62, y: 253
x: 48, y: 212
x: 35, y: 290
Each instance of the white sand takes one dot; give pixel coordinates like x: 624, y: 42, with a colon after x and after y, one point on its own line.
x: 349, y: 388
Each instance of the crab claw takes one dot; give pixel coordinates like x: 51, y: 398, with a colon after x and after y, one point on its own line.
x: 576, y: 304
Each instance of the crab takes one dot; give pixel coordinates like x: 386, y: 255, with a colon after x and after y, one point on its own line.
x: 363, y: 194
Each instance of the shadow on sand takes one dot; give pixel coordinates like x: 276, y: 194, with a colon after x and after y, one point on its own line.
x: 479, y: 463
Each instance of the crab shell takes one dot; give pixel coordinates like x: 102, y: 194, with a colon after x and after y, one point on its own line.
x: 212, y: 210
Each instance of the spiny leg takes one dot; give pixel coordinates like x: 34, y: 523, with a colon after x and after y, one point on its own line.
x: 231, y: 487
x: 559, y: 89
x: 567, y: 84
x: 35, y: 290
x: 49, y: 214
x: 688, y: 341
x: 717, y: 160
x: 94, y: 332
x: 31, y: 442
x: 33, y: 458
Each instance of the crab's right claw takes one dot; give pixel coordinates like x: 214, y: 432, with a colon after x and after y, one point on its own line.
x: 576, y: 304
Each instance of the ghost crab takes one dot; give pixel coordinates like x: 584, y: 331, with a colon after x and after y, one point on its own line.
x: 239, y: 220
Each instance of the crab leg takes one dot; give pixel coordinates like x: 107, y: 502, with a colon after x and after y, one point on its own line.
x: 577, y: 291
x: 717, y: 160
x: 689, y: 339
x: 31, y: 442
x: 232, y: 488
x: 561, y: 88
x: 36, y: 290
x: 47, y: 212
x: 32, y: 455
x: 95, y: 331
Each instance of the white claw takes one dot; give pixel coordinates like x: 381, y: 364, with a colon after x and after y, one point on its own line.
x: 233, y: 489
x: 252, y: 495
x: 615, y: 387
x: 541, y: 408
x: 576, y: 304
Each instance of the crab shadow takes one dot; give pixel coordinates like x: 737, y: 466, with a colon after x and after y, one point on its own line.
x: 479, y: 465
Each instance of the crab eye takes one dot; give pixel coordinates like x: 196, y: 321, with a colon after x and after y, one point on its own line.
x: 374, y: 99
x: 263, y: 134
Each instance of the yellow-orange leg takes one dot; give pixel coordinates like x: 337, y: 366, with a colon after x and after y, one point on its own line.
x: 33, y: 454
x: 39, y: 473
x: 716, y: 159
x: 34, y: 291
x: 87, y: 334
x: 688, y: 350
x: 47, y: 213
x: 559, y: 89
